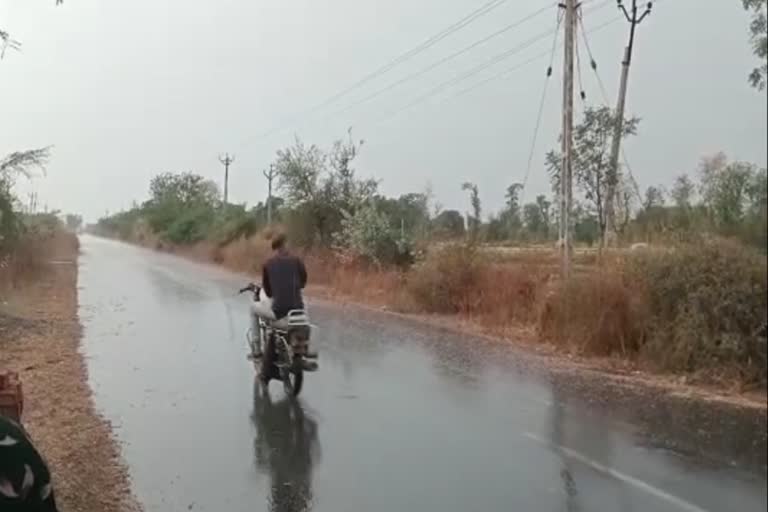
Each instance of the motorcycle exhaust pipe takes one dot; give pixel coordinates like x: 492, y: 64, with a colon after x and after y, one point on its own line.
x: 309, y: 366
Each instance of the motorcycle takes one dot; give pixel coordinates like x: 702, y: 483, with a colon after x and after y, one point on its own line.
x: 290, y: 344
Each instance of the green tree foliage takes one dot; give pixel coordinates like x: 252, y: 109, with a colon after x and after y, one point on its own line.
x: 449, y: 224
x: 368, y: 234
x: 758, y: 29
x: 408, y: 213
x: 18, y: 163
x: 591, y: 163
x: 734, y: 197
x: 182, y: 207
x: 474, y: 219
x: 73, y: 222
x: 320, y: 189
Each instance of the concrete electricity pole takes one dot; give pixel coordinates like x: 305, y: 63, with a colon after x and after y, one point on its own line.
x: 634, y: 19
x: 270, y: 176
x: 566, y: 173
x: 227, y: 161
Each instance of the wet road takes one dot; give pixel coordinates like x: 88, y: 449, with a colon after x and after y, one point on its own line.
x: 399, y: 417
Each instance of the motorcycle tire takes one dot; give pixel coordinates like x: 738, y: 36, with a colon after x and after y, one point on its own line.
x: 293, y: 379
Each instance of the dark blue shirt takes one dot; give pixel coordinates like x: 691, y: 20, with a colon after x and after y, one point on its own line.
x: 283, y: 278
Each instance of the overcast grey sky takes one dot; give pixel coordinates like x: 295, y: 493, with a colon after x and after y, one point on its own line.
x: 127, y: 89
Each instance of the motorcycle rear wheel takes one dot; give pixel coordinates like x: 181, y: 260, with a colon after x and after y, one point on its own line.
x: 293, y: 379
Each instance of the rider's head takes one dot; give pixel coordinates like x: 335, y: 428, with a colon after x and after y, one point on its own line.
x: 279, y: 241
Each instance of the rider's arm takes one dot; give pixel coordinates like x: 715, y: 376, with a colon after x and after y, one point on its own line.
x: 265, y: 285
x: 302, y: 274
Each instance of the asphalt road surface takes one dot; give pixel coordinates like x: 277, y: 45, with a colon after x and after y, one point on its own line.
x: 400, y: 416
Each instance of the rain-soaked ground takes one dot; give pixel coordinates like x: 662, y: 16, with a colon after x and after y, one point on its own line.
x: 400, y: 417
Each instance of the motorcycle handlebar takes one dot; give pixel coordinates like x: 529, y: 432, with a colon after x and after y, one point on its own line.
x: 252, y: 287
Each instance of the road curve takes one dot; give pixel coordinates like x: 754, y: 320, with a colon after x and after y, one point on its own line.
x: 400, y: 417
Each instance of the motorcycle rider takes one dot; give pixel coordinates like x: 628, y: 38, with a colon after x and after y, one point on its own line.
x: 283, y: 278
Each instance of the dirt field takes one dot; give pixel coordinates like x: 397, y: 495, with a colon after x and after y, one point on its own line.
x: 39, y: 338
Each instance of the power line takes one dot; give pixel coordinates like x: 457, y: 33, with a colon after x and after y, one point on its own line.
x: 444, y: 59
x: 481, y: 11
x: 482, y: 67
x: 604, y: 93
x: 470, y: 73
x: 592, y: 61
x: 493, y: 60
x: 582, y: 94
x: 428, y: 43
x: 542, y: 103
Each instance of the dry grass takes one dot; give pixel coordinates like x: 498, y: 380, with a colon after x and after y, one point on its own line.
x: 460, y: 280
x: 591, y: 314
x: 25, y: 262
x: 58, y: 409
x: 672, y: 310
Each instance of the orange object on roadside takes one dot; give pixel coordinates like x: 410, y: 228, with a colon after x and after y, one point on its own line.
x: 11, y: 396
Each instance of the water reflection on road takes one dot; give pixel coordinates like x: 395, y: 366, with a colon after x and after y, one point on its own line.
x: 286, y: 449
x: 409, y: 417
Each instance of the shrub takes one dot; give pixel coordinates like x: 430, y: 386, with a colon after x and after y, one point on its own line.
x: 233, y: 223
x: 706, y: 308
x: 592, y: 313
x: 190, y: 225
x: 445, y: 280
x: 368, y: 235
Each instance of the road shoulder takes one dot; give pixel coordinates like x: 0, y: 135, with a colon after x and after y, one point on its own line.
x: 40, y: 337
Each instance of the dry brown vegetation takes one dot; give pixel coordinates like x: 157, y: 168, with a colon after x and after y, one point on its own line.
x: 39, y: 339
x: 694, y: 310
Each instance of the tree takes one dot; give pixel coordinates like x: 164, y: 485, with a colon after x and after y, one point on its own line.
x: 181, y: 206
x: 537, y: 218
x: 449, y: 224
x: 368, y: 234
x: 683, y: 191
x: 724, y: 190
x: 534, y: 220
x: 299, y: 169
x: 511, y: 217
x: 18, y: 163
x: 408, y: 213
x: 321, y: 190
x: 184, y: 188
x: 21, y: 163
x: 591, y: 165
x: 350, y: 192
x: 473, y: 219
x: 654, y: 197
x: 758, y: 29
x: 73, y: 222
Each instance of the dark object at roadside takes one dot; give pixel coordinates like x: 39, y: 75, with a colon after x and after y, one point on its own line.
x: 25, y: 481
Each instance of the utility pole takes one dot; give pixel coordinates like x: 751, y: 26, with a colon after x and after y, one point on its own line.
x: 270, y: 176
x: 227, y: 161
x: 566, y: 173
x: 634, y: 19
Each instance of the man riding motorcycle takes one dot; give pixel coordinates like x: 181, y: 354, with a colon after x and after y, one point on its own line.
x: 283, y: 278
